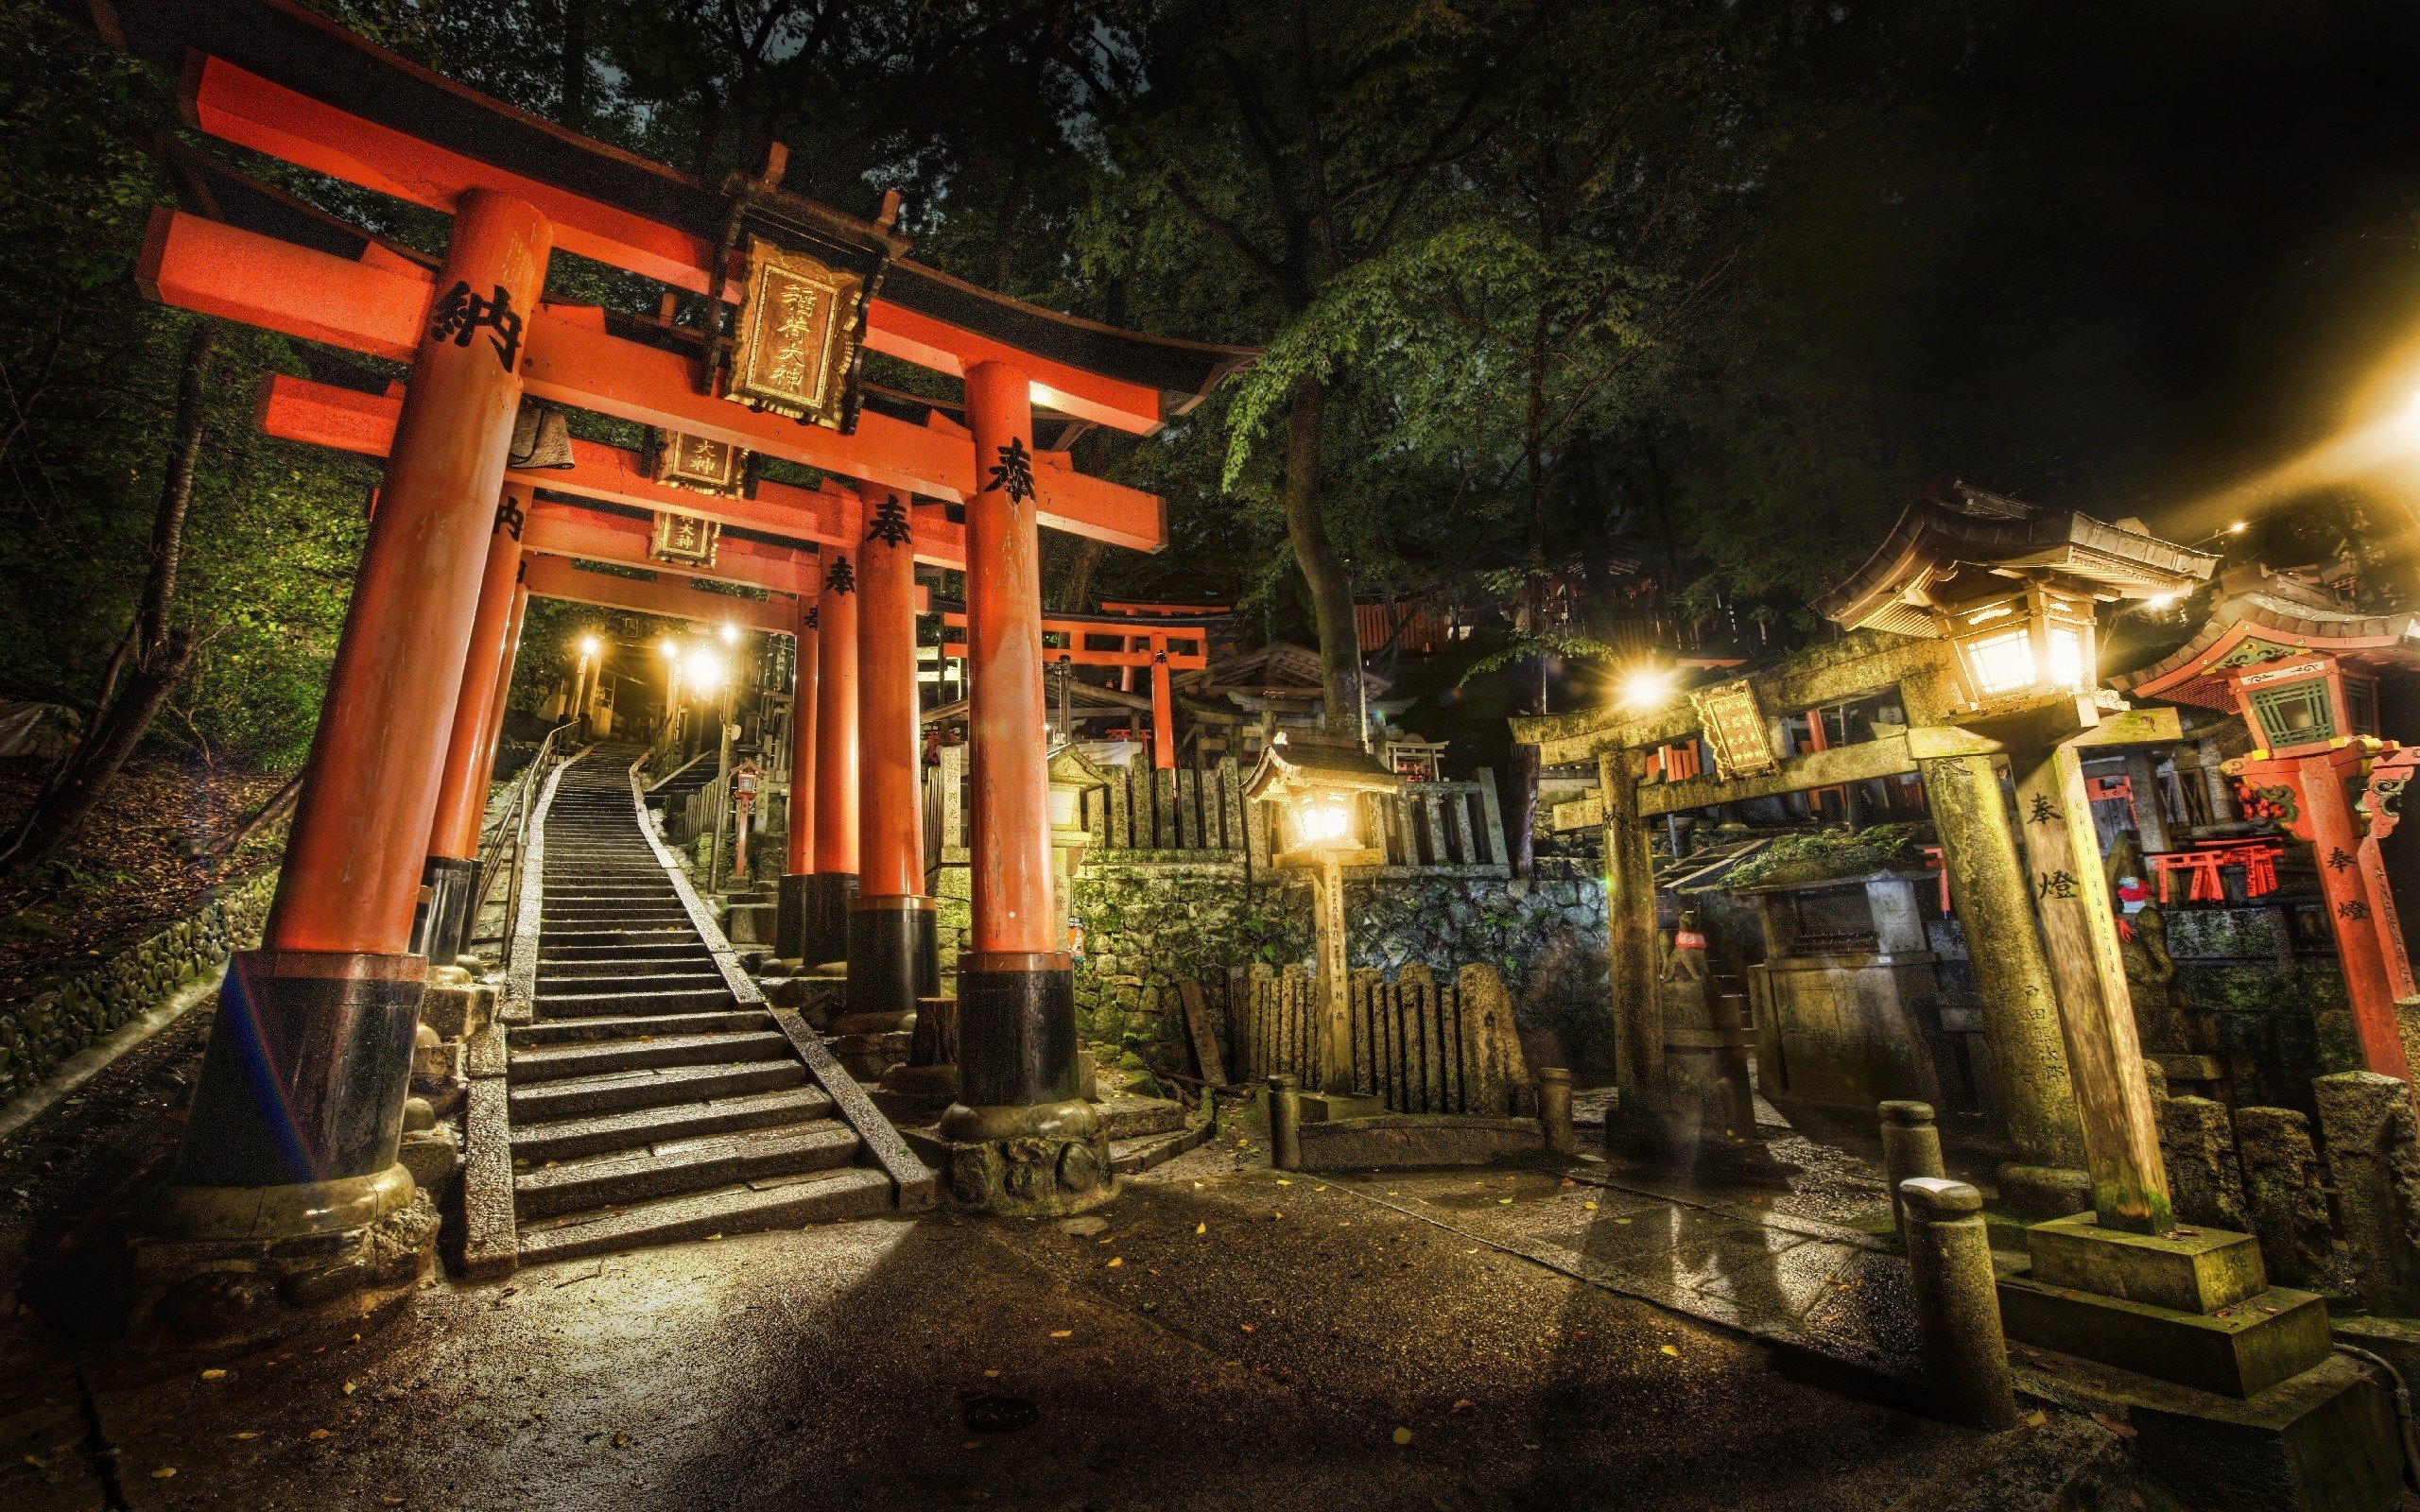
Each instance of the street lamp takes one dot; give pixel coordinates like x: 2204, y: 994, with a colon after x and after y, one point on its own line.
x: 1315, y: 787
x: 729, y: 633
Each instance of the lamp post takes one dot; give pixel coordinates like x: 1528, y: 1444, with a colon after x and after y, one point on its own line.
x: 592, y: 652
x: 1315, y: 788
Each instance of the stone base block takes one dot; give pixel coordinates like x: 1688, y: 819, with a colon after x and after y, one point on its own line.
x: 2257, y: 1343
x: 2039, y: 1192
x: 1028, y: 1161
x: 751, y: 923
x: 1404, y: 1141
x: 2197, y: 1271
x: 1335, y: 1108
x: 869, y: 1057
x: 2323, y: 1441
x: 434, y: 1157
x: 455, y: 1004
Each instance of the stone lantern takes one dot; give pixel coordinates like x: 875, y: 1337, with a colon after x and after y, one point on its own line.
x: 1315, y: 789
x: 1072, y: 774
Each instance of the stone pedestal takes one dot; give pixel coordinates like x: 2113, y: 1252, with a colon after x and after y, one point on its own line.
x: 2373, y: 1150
x: 1044, y: 1160
x: 2194, y: 1307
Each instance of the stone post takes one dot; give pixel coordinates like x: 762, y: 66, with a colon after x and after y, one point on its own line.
x: 2282, y: 1198
x: 1957, y: 1307
x: 1910, y: 1148
x: 2198, y: 1140
x: 2150, y: 820
x: 1285, y: 1122
x: 2080, y: 940
x: 1988, y: 887
x: 2367, y: 1121
x: 1554, y: 1111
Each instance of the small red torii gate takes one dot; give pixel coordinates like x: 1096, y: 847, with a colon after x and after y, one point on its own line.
x: 325, y: 1009
x: 1161, y: 647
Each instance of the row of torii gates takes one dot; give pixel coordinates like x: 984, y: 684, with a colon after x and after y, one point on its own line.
x: 295, y: 1124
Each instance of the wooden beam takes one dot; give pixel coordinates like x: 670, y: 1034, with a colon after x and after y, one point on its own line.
x: 241, y: 107
x: 568, y: 530
x: 568, y: 357
x: 1853, y: 667
x: 670, y: 595
x: 297, y: 410
x: 1820, y: 768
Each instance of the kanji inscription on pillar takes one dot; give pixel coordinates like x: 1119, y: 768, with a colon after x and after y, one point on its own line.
x: 1734, y: 725
x: 459, y: 313
x: 696, y: 463
x: 797, y: 331
x: 684, y: 538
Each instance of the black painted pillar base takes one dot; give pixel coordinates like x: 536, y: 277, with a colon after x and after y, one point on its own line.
x: 285, y: 1207
x: 894, y: 959
x: 441, y: 926
x: 1021, y: 1138
x: 790, y: 917
x: 824, y: 908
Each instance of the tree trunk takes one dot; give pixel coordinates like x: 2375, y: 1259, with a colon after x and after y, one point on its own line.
x: 1331, y: 590
x: 574, y: 82
x: 1076, y: 590
x: 1533, y: 613
x: 151, y: 664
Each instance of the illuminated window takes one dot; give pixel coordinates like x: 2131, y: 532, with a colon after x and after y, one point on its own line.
x: 2067, y: 657
x: 2295, y: 715
x: 2001, y: 663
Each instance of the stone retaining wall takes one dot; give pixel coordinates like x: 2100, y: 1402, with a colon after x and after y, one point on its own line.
x: 1151, y: 921
x: 37, y: 1033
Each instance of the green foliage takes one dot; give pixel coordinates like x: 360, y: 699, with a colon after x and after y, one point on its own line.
x: 1832, y: 853
x: 87, y: 378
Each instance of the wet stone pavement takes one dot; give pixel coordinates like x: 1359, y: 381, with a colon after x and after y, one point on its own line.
x: 1228, y: 1336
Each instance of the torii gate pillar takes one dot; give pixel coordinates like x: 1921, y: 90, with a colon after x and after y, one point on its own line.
x: 835, y: 881
x: 298, y: 1110
x: 797, y: 867
x: 1022, y: 1138
x: 442, y: 928
x: 894, y: 944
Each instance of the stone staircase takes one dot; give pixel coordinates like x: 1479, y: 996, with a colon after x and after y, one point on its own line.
x: 653, y: 1095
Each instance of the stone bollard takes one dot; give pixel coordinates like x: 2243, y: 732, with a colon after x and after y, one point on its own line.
x: 1958, y: 1304
x: 1554, y: 1110
x: 1910, y: 1148
x: 1285, y: 1123
x: 2367, y: 1121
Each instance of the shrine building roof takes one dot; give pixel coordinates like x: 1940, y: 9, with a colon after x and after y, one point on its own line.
x: 2274, y: 616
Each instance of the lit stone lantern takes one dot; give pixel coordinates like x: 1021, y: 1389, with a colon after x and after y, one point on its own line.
x: 1315, y: 789
x: 1072, y: 774
x: 2019, y: 648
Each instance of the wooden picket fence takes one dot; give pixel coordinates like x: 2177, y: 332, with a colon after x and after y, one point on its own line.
x: 1440, y: 824
x: 1427, y: 1042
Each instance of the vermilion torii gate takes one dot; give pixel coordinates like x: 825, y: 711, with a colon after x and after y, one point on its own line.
x: 295, y: 1123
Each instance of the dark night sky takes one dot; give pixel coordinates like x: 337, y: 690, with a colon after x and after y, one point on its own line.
x: 2117, y: 255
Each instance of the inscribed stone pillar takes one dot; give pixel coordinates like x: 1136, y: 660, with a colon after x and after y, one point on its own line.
x: 2151, y: 821
x: 2080, y: 940
x: 2282, y: 1195
x: 2368, y: 1123
x: 1987, y: 887
x: 1629, y: 932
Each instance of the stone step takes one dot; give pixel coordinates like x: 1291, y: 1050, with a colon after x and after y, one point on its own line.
x: 563, y: 1062
x: 588, y: 1031
x: 695, y: 975
x: 571, y: 1138
x: 779, y: 1202
x: 610, y: 1005
x: 660, y: 964
x: 1131, y: 1157
x: 1127, y: 1118
x: 617, y: 938
x: 622, y: 1092
x: 671, y: 1167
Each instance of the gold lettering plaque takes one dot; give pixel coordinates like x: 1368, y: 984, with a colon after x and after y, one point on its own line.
x: 1734, y: 727
x: 695, y: 462
x: 684, y: 538
x: 797, y: 334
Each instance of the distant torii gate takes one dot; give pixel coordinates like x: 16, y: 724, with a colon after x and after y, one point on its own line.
x: 295, y: 1124
x: 1161, y: 647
